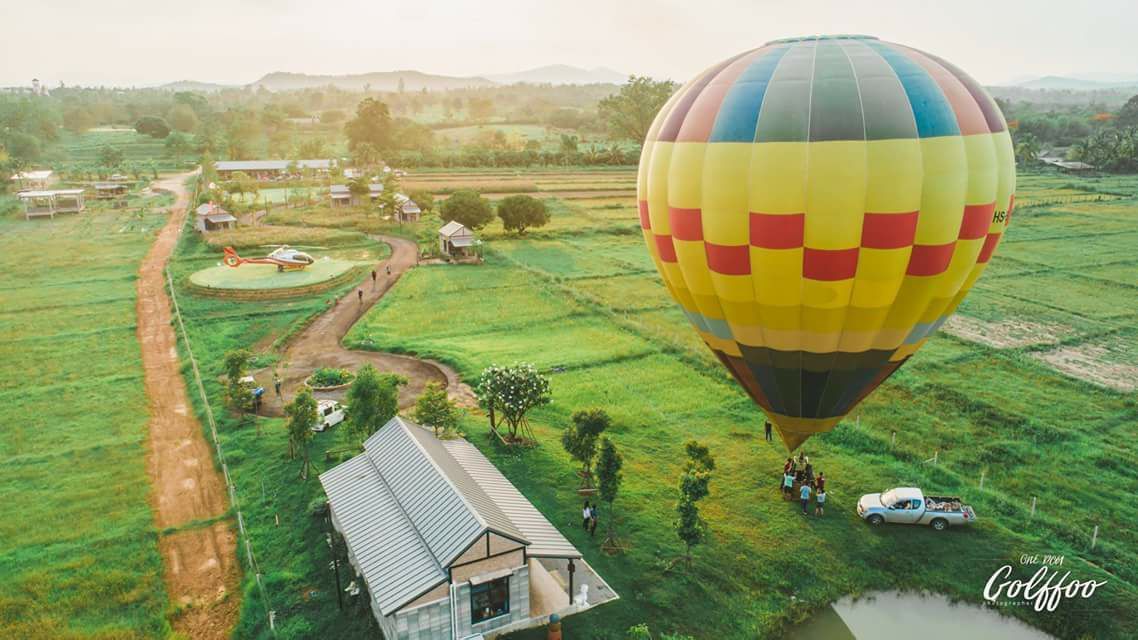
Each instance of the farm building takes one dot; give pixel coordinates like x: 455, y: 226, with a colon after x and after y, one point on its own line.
x: 374, y: 190
x: 48, y: 203
x: 341, y: 195
x: 456, y: 240
x: 446, y: 546
x: 110, y: 190
x: 409, y: 211
x: 33, y: 179
x: 211, y: 217
x: 267, y: 169
x: 1066, y: 165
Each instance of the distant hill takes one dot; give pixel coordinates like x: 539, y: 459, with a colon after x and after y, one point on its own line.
x: 1077, y: 83
x: 561, y: 74
x: 377, y: 81
x: 194, y: 85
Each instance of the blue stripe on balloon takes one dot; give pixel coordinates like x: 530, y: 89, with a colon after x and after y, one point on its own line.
x: 932, y: 111
x: 716, y: 327
x: 739, y: 113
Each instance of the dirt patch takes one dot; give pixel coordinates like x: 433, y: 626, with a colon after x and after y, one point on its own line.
x: 1006, y: 334
x: 200, y: 565
x: 1094, y: 364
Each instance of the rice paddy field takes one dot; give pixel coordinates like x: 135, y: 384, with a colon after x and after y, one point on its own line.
x: 83, y: 148
x: 78, y: 544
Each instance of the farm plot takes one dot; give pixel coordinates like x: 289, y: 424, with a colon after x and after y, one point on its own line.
x: 78, y: 550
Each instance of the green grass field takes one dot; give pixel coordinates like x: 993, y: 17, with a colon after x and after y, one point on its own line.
x: 78, y: 546
x: 84, y: 148
x: 580, y: 299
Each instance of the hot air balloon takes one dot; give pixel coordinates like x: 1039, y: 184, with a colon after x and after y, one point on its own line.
x: 818, y: 207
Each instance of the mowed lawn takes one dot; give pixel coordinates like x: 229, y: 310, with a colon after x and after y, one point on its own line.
x: 580, y: 300
x: 78, y: 546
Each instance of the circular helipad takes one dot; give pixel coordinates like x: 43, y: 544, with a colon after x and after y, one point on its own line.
x: 264, y: 280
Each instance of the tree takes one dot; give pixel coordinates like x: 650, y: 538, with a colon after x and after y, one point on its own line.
x: 434, y: 409
x: 630, y: 112
x: 178, y: 144
x: 236, y: 365
x: 371, y: 125
x: 580, y: 439
x: 152, y: 126
x: 1128, y: 114
x: 694, y: 486
x: 182, y: 118
x: 78, y: 119
x: 332, y: 116
x: 609, y: 476
x: 110, y: 156
x: 468, y: 208
x: 302, y: 416
x: 520, y: 212
x: 509, y: 393
x: 366, y: 157
x: 1026, y: 149
x: 373, y: 399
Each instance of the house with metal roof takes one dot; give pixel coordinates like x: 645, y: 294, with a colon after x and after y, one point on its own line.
x: 446, y: 546
x: 37, y: 179
x: 211, y: 217
x: 50, y: 202
x: 262, y: 169
x: 456, y: 240
x: 340, y: 194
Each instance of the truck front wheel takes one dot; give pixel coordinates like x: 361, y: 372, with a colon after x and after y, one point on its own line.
x: 940, y: 524
x: 875, y: 520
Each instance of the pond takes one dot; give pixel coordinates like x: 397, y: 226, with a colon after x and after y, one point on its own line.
x: 893, y: 615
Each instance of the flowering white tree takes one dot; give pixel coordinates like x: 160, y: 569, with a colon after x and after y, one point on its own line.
x: 508, y: 393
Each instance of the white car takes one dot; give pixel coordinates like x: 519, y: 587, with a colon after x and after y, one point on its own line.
x: 330, y: 414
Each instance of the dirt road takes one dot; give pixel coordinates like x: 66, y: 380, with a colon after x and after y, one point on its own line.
x: 319, y: 344
x: 201, y: 568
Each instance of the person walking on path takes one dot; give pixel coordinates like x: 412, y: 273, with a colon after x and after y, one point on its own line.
x: 767, y: 430
x: 373, y: 277
x: 586, y: 515
x: 819, y: 502
x: 277, y: 383
x: 388, y: 269
x: 593, y: 521
x: 820, y: 482
x: 804, y: 495
x: 360, y: 295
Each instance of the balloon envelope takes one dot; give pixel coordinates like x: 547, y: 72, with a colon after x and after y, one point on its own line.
x: 818, y: 207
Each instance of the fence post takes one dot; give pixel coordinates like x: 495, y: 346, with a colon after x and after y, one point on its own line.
x: 936, y: 456
x: 1032, y: 506
x: 893, y: 440
x: 982, y: 473
x: 857, y: 421
x: 1094, y: 537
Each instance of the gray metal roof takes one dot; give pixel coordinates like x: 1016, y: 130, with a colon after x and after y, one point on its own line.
x: 269, y: 165
x: 545, y: 540
x: 411, y: 502
x: 389, y: 552
x: 339, y: 190
x: 453, y: 228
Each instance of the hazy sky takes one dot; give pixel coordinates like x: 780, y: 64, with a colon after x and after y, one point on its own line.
x: 130, y: 42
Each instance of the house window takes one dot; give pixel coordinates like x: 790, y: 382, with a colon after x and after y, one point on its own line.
x: 489, y: 600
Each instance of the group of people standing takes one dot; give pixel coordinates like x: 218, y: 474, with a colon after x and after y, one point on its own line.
x: 798, y: 476
x: 589, y: 518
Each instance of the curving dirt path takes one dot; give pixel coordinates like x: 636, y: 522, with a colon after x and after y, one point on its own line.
x: 200, y: 562
x: 319, y: 344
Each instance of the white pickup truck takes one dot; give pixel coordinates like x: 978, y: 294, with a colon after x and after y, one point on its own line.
x: 907, y: 505
x: 329, y: 413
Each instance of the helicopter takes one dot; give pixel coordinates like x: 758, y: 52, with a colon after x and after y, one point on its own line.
x: 286, y: 258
